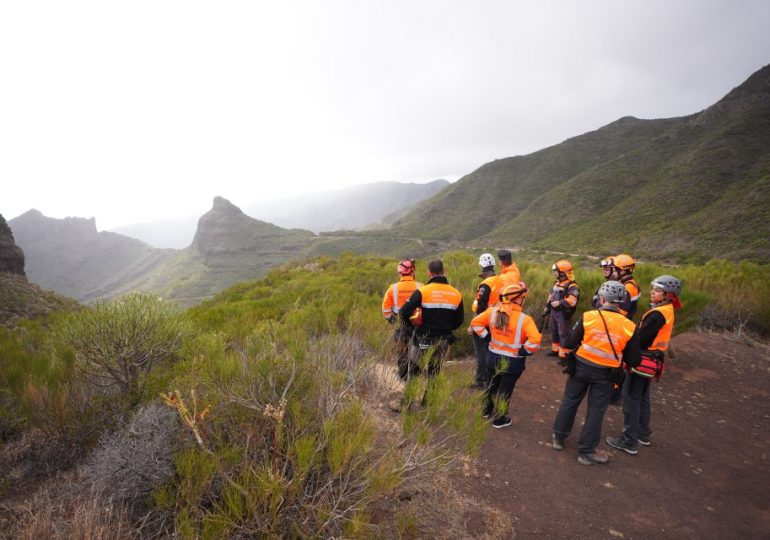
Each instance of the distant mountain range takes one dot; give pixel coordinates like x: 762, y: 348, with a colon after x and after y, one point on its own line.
x: 20, y: 299
x: 71, y: 257
x: 679, y: 188
x: 696, y: 186
x: 366, y: 206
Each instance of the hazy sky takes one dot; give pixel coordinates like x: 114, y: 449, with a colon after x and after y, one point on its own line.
x: 135, y: 111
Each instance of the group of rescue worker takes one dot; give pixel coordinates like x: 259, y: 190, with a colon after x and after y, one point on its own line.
x: 607, y: 357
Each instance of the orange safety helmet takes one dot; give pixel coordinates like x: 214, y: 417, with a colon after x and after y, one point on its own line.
x: 406, y: 267
x: 513, y: 291
x: 623, y: 262
x: 563, y: 267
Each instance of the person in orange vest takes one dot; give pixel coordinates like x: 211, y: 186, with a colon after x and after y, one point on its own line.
x: 562, y: 302
x: 623, y: 270
x: 395, y: 297
x: 486, y: 295
x: 655, y: 330
x: 513, y: 337
x: 603, y: 339
x: 441, y: 312
x: 624, y: 266
x: 608, y: 271
x: 509, y: 272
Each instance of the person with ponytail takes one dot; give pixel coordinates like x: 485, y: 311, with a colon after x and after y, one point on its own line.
x: 514, y: 336
x: 655, y: 330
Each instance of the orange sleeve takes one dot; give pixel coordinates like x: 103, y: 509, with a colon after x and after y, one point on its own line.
x: 387, y: 303
x: 480, y: 322
x: 532, y: 334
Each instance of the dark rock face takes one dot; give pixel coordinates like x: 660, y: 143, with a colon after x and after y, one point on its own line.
x: 11, y: 255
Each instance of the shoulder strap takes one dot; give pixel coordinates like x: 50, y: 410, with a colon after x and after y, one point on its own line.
x: 609, y: 338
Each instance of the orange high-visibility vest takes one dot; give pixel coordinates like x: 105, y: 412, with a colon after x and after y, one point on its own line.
x: 521, y: 330
x: 660, y: 343
x: 509, y: 275
x: 440, y: 296
x: 632, y: 287
x: 596, y: 345
x: 493, y: 282
x: 398, y: 294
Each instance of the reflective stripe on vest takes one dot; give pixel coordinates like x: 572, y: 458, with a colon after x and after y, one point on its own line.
x: 394, y: 293
x: 596, y: 346
x: 661, y: 341
x: 440, y: 296
x: 508, y: 349
x: 395, y: 298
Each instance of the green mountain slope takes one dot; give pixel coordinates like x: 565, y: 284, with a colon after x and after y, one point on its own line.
x: 70, y: 257
x: 683, y: 187
x: 488, y: 197
x: 20, y: 299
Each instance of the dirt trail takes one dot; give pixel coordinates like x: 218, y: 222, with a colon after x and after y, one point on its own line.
x: 706, y: 475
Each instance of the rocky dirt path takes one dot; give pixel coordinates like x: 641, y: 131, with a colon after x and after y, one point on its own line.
x: 706, y: 475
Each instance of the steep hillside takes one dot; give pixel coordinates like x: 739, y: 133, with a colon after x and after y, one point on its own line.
x: 228, y: 247
x: 488, y: 197
x: 70, y: 257
x: 697, y: 186
x: 20, y: 299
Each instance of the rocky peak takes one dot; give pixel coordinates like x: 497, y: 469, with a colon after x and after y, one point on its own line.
x: 11, y: 255
x: 223, y: 207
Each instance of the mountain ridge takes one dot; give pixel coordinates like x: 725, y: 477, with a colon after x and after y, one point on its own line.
x: 654, y: 187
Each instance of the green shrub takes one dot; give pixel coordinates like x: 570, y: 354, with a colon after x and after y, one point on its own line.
x: 117, y: 342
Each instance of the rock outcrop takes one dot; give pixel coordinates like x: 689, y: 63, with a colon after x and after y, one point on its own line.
x: 11, y: 255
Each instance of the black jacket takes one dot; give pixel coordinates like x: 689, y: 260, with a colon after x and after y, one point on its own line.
x: 436, y: 322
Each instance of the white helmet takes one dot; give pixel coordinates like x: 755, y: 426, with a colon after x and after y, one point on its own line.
x: 486, y: 260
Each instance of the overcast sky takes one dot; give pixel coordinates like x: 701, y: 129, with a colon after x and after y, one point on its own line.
x: 136, y: 111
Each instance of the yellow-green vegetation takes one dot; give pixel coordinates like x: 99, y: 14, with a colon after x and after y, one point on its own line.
x: 278, y: 388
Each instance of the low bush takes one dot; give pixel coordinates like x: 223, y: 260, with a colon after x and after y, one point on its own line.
x: 129, y: 463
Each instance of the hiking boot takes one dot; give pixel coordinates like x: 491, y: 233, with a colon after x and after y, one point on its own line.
x: 394, y: 405
x: 552, y: 353
x: 593, y: 459
x: 487, y: 412
x: 556, y: 442
x: 621, y: 444
x: 501, y: 422
x: 644, y: 440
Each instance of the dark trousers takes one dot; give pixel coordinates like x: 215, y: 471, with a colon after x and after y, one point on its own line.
x: 560, y: 327
x: 402, y: 339
x: 483, y: 371
x: 595, y: 382
x: 419, y: 363
x: 504, y: 375
x: 637, y: 408
x: 617, y: 391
